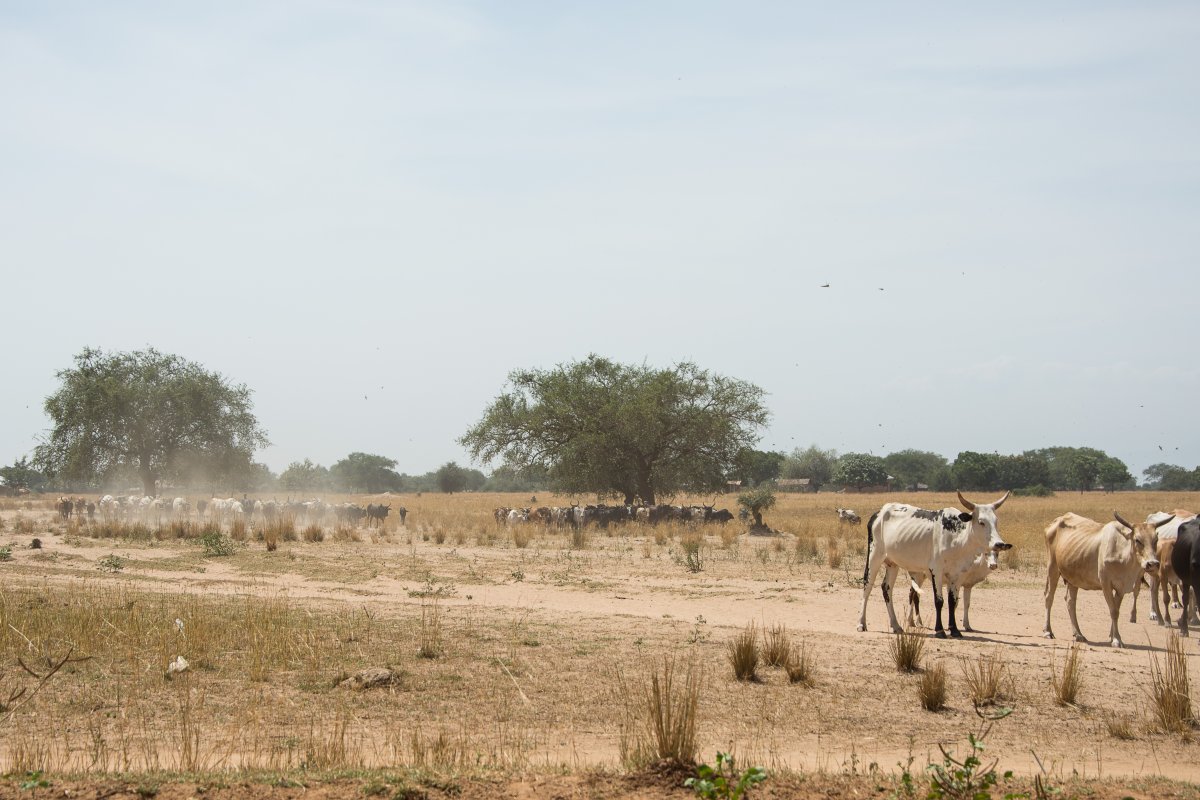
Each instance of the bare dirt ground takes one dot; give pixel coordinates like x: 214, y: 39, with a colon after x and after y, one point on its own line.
x: 540, y: 645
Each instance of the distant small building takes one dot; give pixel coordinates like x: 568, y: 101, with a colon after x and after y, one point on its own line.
x: 733, y: 486
x: 795, y: 484
x: 921, y: 487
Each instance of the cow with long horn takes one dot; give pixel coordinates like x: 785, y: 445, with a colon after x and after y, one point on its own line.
x: 942, y: 544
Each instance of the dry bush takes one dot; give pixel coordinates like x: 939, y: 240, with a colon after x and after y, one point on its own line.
x: 1067, y: 682
x: 906, y: 648
x: 1170, y: 690
x: 743, y: 654
x: 777, y: 646
x: 800, y: 666
x: 270, y: 535
x: 661, y: 716
x: 23, y: 525
x: 314, y: 533
x: 807, y: 548
x: 521, y: 535
x: 1120, y: 726
x: 661, y: 536
x: 287, y: 529
x: 833, y: 553
x: 439, y: 534
x: 237, y: 530
x: 728, y: 535
x: 988, y: 678
x: 932, y: 688
x: 431, y: 630
x: 180, y: 529
x: 578, y: 538
x: 346, y: 533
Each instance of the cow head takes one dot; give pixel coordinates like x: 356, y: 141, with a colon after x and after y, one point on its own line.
x: 1144, y: 537
x: 984, y: 515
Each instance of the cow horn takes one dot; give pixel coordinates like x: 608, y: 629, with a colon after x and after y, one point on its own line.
x: 1122, y: 521
x: 967, y: 504
x: 1000, y: 502
x: 1164, y: 522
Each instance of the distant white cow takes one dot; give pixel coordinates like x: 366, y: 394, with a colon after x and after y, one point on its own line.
x: 847, y: 515
x: 518, y: 516
x: 943, y: 544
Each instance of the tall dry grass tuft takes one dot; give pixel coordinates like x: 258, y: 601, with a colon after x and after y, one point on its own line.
x: 1170, y: 690
x: 833, y: 553
x: 314, y: 533
x: 521, y: 535
x: 1067, y: 682
x: 743, y: 654
x: 661, y: 715
x: 988, y: 678
x: 578, y: 538
x: 800, y: 666
x: 237, y: 530
x: 906, y: 648
x: 932, y: 688
x: 1120, y: 726
x: 431, y: 630
x: 777, y: 646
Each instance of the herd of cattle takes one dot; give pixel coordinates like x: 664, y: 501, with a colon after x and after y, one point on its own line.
x: 954, y: 549
x: 577, y: 516
x: 957, y: 549
x: 143, y: 509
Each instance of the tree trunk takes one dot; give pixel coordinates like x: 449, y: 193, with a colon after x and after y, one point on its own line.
x: 758, y: 523
x: 148, y: 483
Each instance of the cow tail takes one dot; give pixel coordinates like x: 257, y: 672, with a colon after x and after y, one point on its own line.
x: 867, y: 565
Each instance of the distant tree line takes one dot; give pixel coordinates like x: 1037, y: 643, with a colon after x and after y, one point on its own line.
x: 1033, y: 471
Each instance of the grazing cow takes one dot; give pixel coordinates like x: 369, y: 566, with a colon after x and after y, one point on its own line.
x: 1094, y: 556
x: 980, y: 568
x: 64, y: 506
x: 943, y: 544
x: 722, y: 516
x: 542, y: 515
x: 91, y: 510
x: 1185, y: 562
x: 518, y: 515
x: 401, y: 512
x: 846, y: 515
x: 377, y: 513
x: 180, y: 507
x: 501, y: 515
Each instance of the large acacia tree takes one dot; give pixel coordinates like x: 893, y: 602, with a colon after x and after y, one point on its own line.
x: 152, y: 413
x: 601, y: 427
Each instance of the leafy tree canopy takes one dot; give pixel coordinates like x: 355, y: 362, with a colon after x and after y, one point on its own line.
x: 367, y: 473
x: 147, y: 411
x: 1171, y: 478
x: 757, y: 466
x: 813, y: 463
x: 452, y: 478
x: 910, y: 467
x: 759, y: 499
x: 304, y: 476
x: 860, y: 470
x: 21, y: 475
x: 614, y: 429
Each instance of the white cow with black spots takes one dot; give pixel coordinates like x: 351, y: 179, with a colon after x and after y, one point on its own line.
x: 942, y: 544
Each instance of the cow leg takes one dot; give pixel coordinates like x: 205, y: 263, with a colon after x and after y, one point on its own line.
x: 889, y: 580
x: 966, y: 594
x: 914, y: 602
x: 954, y: 631
x: 874, y: 564
x: 1072, y: 598
x: 1175, y: 595
x: 938, y: 630
x: 1113, y: 598
x: 1137, y: 589
x: 1183, y: 618
x: 1160, y: 588
x: 1051, y: 588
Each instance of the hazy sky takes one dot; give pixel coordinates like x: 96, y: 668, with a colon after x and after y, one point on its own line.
x: 370, y: 212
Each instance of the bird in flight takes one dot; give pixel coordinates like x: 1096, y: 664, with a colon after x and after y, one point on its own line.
x: 824, y: 285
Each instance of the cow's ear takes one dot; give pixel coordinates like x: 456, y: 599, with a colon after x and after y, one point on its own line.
x: 966, y: 516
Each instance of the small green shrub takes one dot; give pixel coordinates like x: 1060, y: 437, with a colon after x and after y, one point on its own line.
x: 217, y: 544
x: 723, y: 781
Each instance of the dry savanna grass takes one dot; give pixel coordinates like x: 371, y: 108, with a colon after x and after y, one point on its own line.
x: 1067, y: 682
x: 776, y: 646
x: 932, y: 687
x: 267, y: 635
x: 1170, y: 690
x: 661, y: 715
x: 906, y: 649
x: 743, y: 653
x: 988, y: 678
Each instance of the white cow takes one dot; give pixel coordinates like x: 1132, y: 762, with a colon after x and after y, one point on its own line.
x: 848, y: 515
x: 180, y: 507
x: 981, y: 567
x: 943, y: 544
x: 518, y: 515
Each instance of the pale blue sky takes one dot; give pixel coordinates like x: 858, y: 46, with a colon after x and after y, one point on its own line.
x: 321, y: 199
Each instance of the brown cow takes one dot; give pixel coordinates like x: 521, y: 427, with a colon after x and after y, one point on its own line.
x: 1093, y: 556
x: 1165, y: 579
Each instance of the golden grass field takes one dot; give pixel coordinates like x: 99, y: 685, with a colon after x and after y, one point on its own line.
x: 525, y: 652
